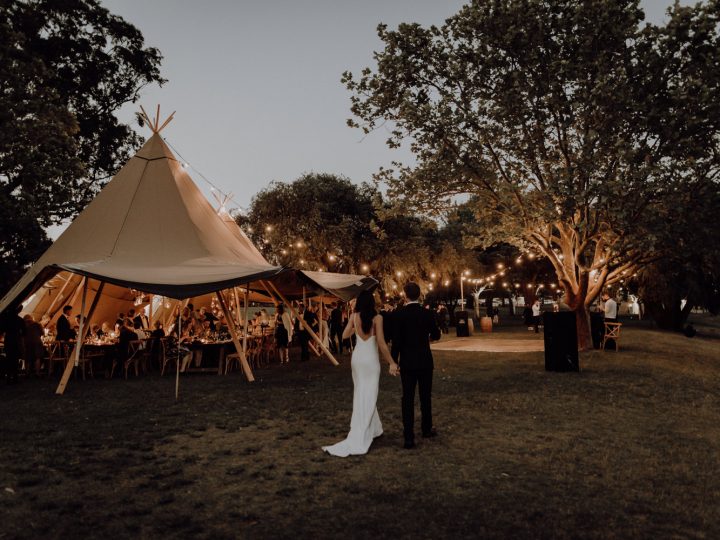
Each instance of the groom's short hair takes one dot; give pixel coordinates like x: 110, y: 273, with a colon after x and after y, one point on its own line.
x: 412, y: 291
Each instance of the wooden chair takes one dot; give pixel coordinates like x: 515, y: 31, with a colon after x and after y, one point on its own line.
x: 137, y: 353
x: 612, y: 332
x: 59, y: 354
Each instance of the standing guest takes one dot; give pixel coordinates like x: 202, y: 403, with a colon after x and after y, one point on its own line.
x: 528, y: 316
x: 387, y: 315
x: 311, y: 320
x: 127, y: 334
x: 325, y: 329
x: 536, y: 312
x: 14, y: 329
x: 609, y: 308
x: 283, y: 333
x: 34, y: 348
x: 119, y: 323
x: 64, y: 327
x: 336, y: 328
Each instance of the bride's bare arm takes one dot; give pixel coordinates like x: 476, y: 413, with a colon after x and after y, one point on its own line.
x: 382, y: 345
x: 350, y: 328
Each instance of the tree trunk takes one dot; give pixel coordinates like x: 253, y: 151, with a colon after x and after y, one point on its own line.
x: 582, y: 323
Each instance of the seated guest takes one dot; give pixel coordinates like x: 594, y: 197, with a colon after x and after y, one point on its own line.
x: 158, y: 331
x: 105, y: 330
x: 95, y: 331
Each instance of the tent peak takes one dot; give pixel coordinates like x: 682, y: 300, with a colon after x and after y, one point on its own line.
x: 154, y: 124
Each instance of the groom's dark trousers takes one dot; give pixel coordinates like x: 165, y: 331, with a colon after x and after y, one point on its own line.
x: 412, y: 329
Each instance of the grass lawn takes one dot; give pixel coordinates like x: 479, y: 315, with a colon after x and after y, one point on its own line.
x: 628, y: 448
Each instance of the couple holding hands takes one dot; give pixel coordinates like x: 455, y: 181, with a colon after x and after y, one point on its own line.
x: 411, y: 329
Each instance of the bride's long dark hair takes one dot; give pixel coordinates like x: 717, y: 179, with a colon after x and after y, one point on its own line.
x: 365, y: 306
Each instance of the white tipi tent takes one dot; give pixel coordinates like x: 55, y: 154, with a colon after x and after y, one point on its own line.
x: 149, y: 229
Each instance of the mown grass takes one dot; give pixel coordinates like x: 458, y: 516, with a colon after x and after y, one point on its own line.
x: 628, y: 448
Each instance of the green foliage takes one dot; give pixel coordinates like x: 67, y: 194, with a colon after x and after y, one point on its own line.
x: 65, y: 67
x: 570, y: 124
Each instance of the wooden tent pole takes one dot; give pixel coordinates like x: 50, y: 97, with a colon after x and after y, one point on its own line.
x: 177, y: 361
x: 245, y: 326
x: 306, y: 326
x: 236, y: 341
x: 270, y: 294
x: 237, y: 307
x: 55, y: 300
x: 82, y: 332
x: 150, y: 312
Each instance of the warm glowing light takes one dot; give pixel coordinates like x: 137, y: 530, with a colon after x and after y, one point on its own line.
x: 446, y: 283
x: 298, y: 244
x: 394, y: 286
x: 529, y: 286
x: 531, y: 255
x: 500, y: 266
x: 268, y: 228
x: 466, y: 273
x: 284, y: 251
x: 430, y: 286
x: 518, y: 260
x: 398, y: 273
x: 517, y: 285
x: 552, y: 285
x: 302, y: 261
x: 365, y: 268
x: 433, y: 275
x: 332, y: 257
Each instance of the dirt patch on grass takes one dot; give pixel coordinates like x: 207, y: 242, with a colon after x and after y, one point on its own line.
x: 627, y: 448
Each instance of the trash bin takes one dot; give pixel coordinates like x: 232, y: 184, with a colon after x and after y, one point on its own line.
x: 461, y: 323
x: 561, y: 344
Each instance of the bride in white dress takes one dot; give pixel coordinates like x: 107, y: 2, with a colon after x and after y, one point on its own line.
x: 365, y: 423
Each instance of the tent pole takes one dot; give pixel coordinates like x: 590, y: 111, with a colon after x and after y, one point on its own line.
x: 245, y: 326
x: 270, y: 294
x: 81, y: 337
x: 150, y: 313
x: 57, y: 298
x: 306, y: 326
x: 237, y: 307
x: 177, y: 361
x: 236, y: 341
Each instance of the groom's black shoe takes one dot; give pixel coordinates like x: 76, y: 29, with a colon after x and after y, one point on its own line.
x: 430, y: 434
x: 408, y: 445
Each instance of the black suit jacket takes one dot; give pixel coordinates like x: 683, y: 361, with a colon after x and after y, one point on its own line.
x: 64, y: 330
x: 412, y: 329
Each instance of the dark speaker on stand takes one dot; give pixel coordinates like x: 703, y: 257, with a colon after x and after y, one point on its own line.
x: 561, y: 344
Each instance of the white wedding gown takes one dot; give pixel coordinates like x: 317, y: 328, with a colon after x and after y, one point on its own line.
x: 365, y: 423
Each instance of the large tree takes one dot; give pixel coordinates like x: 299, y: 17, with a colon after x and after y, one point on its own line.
x: 570, y: 123
x: 65, y: 68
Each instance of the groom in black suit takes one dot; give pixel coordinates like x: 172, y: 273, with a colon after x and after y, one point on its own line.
x: 413, y: 327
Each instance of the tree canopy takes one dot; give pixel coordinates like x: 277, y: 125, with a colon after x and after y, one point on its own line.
x: 572, y: 125
x: 325, y: 222
x: 65, y: 68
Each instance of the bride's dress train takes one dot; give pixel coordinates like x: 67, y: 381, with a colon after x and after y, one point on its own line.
x: 365, y: 423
